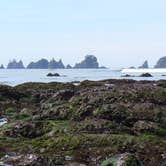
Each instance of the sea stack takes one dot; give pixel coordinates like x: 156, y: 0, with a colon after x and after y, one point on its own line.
x: 161, y: 63
x: 56, y: 64
x: 68, y: 67
x: 41, y: 64
x: 90, y: 62
x: 144, y: 65
x: 1, y: 67
x: 15, y: 65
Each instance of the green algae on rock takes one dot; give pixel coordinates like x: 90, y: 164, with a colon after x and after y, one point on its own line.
x: 91, y: 122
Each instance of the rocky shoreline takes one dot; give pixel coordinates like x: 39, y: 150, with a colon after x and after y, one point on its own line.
x: 109, y: 122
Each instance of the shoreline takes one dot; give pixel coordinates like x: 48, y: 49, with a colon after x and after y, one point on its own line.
x: 15, y: 77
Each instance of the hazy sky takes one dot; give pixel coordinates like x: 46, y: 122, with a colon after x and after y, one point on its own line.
x: 120, y: 33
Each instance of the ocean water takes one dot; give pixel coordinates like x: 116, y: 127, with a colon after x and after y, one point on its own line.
x: 14, y: 77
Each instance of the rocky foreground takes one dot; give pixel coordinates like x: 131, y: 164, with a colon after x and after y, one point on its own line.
x: 107, y: 123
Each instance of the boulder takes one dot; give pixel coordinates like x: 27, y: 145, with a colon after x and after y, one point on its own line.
x: 20, y: 159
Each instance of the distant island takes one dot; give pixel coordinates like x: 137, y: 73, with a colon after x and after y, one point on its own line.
x: 89, y: 62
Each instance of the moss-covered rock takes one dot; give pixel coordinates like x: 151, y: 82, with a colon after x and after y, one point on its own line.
x: 93, y: 121
x: 125, y: 159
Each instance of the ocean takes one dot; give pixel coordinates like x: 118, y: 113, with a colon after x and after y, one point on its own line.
x: 14, y: 77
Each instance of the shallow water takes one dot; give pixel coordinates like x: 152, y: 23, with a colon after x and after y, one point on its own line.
x: 3, y: 121
x: 14, y: 77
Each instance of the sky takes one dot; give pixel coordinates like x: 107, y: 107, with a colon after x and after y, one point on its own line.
x: 120, y: 33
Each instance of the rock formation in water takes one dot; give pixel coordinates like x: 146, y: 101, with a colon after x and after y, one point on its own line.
x: 132, y: 67
x: 161, y: 63
x: 15, y: 65
x: 90, y: 61
x: 56, y: 64
x: 41, y: 64
x: 53, y: 75
x: 103, y: 67
x: 146, y: 75
x: 2, y: 67
x: 144, y: 65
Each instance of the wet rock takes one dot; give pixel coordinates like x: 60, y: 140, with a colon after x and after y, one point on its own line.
x: 114, y: 112
x: 26, y: 112
x: 143, y: 126
x: 53, y: 75
x: 76, y: 83
x: 60, y: 97
x: 8, y: 93
x: 126, y: 75
x: 146, y: 75
x: 75, y: 164
x: 20, y: 160
x: 27, y: 129
x: 131, y: 67
x: 110, y: 85
x: 122, y: 160
x: 89, y: 122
